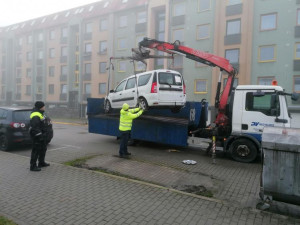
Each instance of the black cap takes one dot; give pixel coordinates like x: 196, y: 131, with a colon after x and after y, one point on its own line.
x: 39, y: 104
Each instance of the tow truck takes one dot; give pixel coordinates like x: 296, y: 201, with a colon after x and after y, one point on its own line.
x: 242, y: 113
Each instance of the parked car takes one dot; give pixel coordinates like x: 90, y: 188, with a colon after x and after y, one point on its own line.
x: 157, y: 88
x: 14, y: 126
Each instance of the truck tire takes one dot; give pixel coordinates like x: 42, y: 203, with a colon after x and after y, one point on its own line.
x: 107, y: 106
x: 243, y: 150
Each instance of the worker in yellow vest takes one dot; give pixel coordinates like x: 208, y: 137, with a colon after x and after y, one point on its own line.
x: 38, y: 135
x: 126, y: 117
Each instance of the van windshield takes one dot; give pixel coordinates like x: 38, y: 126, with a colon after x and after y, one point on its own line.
x: 169, y: 78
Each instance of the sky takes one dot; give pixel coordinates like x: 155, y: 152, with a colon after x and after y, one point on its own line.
x: 15, y: 11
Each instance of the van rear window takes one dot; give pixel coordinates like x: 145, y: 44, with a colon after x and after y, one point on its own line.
x: 143, y: 79
x: 169, y: 78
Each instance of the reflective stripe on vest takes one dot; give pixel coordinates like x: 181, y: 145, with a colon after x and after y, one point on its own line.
x: 40, y: 115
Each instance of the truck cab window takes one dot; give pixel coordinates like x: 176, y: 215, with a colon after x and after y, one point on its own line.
x: 262, y: 103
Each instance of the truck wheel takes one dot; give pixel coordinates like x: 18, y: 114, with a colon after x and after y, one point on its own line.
x: 107, y: 106
x: 243, y: 150
x: 143, y: 104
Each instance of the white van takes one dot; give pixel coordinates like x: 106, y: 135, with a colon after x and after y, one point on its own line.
x: 157, y: 88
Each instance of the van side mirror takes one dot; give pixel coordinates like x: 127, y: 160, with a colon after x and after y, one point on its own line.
x: 111, y: 91
x: 295, y: 96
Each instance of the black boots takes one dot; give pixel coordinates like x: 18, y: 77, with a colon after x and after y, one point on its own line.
x: 43, y: 164
x: 34, y: 168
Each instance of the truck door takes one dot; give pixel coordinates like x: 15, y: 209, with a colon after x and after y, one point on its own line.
x: 259, y: 112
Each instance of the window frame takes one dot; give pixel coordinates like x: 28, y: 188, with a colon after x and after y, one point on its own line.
x: 234, y: 20
x: 176, y: 4
x: 295, y: 76
x: 197, y: 31
x: 100, y: 24
x: 104, y: 89
x: 232, y: 49
x: 195, y: 86
x: 125, y: 25
x: 227, y: 3
x: 119, y: 63
x: 208, y: 9
x: 100, y: 71
x: 298, y: 17
x: 173, y: 34
x: 265, y: 61
x: 138, y: 19
x: 265, y: 77
x: 276, y: 21
x: 52, y: 86
x: 121, y: 49
x: 295, y: 51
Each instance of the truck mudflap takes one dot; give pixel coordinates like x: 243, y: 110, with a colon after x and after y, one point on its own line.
x: 155, y: 125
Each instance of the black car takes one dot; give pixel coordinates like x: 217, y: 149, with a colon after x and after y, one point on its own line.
x: 14, y: 126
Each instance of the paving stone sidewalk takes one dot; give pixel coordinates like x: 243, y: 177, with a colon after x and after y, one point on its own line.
x: 65, y: 195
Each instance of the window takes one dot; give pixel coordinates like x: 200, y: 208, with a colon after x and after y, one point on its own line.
x: 40, y: 37
x: 51, y: 71
x: 64, y: 70
x: 261, y: 103
x: 203, y: 31
x: 139, y: 66
x: 233, y: 27
x: 102, y: 88
x: 120, y: 87
x: 297, y: 51
x: 122, y: 66
x: 141, y: 17
x: 64, y: 51
x: 51, y: 89
x: 28, y: 90
x: 87, y: 88
x: 298, y: 16
x: 122, y: 43
x: 232, y: 55
x: 268, y: 22
x: 64, y: 32
x: 40, y: 54
x: 28, y: 72
x: 52, y: 34
x: 130, y: 83
x: 267, y: 53
x: 88, y: 27
x: 88, y: 48
x: 64, y: 89
x: 143, y: 79
x: 103, y: 24
x: 179, y: 9
x: 39, y: 89
x: 200, y: 86
x: 88, y: 68
x: 234, y: 2
x: 204, y: 5
x: 265, y: 80
x: 297, y: 84
x: 51, y: 53
x: 102, y: 67
x: 29, y: 39
x: 178, y: 61
x: 103, y: 47
x: 123, y: 21
x: 178, y: 35
x: 235, y: 82
x: 29, y: 56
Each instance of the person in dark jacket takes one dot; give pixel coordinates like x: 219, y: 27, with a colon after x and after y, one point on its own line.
x: 38, y: 133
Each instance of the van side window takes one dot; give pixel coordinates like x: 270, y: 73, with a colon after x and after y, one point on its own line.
x: 261, y: 103
x: 130, y: 83
x: 143, y: 79
x: 120, y: 87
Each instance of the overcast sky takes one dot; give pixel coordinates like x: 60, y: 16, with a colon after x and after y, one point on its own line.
x: 15, y: 11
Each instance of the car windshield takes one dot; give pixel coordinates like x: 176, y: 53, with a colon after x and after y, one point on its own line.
x: 169, y: 78
x: 21, y: 115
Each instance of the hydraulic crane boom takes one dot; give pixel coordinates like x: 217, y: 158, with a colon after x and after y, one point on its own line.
x: 202, y: 57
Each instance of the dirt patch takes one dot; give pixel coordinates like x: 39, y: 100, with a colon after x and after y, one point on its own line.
x: 195, y: 189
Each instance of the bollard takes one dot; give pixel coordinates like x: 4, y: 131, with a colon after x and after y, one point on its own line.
x: 213, y: 155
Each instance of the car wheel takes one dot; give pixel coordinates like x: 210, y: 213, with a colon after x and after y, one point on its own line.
x: 107, y: 106
x: 143, y: 104
x: 4, y: 144
x: 243, y: 150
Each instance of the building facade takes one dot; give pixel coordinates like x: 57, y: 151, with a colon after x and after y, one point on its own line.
x: 64, y: 58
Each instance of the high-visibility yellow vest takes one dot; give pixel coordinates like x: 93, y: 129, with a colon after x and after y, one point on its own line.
x: 40, y: 115
x: 126, y: 118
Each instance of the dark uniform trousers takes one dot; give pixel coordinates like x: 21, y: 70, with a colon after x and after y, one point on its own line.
x: 39, y: 148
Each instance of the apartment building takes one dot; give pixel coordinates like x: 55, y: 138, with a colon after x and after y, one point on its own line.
x: 63, y: 58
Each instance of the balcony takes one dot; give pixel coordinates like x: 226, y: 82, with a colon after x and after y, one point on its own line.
x: 87, y: 76
x: 63, y: 59
x: 232, y: 39
x: 63, y: 77
x: 63, y: 97
x: 232, y: 10
x: 140, y: 27
x: 178, y: 20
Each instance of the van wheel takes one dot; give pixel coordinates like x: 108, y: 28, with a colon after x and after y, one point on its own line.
x: 4, y: 144
x: 107, y: 106
x: 143, y: 104
x: 243, y: 150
